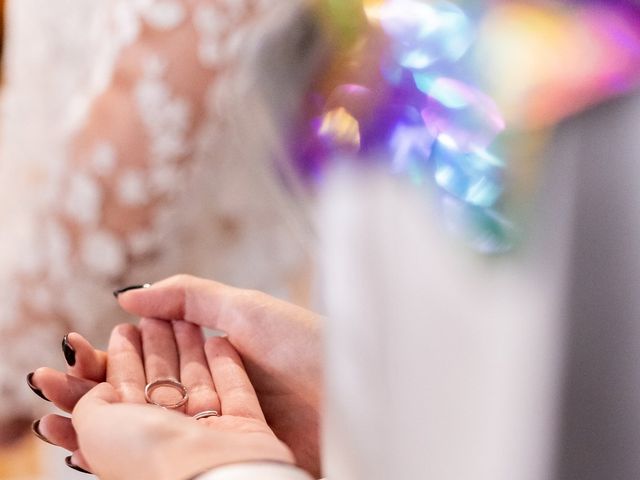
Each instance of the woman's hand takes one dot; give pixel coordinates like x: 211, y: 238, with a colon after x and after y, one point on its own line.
x: 113, y: 438
x: 124, y: 440
x: 279, y: 343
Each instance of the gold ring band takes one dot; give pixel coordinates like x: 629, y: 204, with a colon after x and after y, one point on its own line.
x: 206, y: 414
x: 166, y: 382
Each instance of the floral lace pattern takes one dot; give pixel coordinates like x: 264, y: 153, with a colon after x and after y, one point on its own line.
x: 117, y: 169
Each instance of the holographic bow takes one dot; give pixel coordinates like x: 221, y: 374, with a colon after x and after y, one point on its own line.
x: 403, y: 91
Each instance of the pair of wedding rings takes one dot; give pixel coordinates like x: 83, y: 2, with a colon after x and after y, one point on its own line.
x: 180, y: 388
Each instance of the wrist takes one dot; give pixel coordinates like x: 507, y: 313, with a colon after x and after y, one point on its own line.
x: 258, y: 469
x: 201, y: 450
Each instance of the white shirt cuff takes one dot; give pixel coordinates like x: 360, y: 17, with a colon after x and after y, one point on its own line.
x: 251, y: 471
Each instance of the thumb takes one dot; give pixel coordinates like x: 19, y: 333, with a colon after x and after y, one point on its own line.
x: 89, y: 406
x: 183, y: 297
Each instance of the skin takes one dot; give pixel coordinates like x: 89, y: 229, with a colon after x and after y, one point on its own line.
x: 279, y: 344
x: 171, y: 443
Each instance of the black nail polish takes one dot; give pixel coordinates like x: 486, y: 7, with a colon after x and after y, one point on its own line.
x: 68, y: 463
x: 35, y: 389
x: 35, y: 428
x: 132, y: 287
x: 69, y: 352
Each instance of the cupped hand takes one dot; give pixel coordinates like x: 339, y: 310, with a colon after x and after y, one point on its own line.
x: 116, y: 434
x: 280, y: 345
x: 126, y: 440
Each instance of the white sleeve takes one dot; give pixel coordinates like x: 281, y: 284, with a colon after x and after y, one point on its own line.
x: 251, y: 471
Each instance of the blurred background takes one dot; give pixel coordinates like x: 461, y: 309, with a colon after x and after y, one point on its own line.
x: 531, y: 118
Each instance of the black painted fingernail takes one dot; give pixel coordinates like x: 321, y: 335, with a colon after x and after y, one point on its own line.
x: 35, y: 389
x: 67, y: 461
x: 132, y: 287
x: 35, y: 428
x: 69, y: 352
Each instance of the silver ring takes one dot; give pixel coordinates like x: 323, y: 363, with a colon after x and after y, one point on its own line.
x: 206, y: 414
x: 166, y: 382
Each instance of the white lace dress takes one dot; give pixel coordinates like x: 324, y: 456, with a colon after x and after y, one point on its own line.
x: 119, y: 165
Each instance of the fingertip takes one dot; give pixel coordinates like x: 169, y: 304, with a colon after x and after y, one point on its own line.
x: 124, y: 335
x: 122, y: 292
x: 131, y: 297
x: 41, y: 376
x: 35, y: 378
x: 125, y: 329
x: 78, y: 342
x: 84, y: 360
x: 62, y: 389
x: 37, y: 429
x: 44, y: 426
x: 42, y: 371
x: 76, y: 461
x: 74, y: 337
x: 56, y: 430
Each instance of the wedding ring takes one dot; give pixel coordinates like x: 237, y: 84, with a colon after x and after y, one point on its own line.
x: 166, y: 382
x: 206, y: 414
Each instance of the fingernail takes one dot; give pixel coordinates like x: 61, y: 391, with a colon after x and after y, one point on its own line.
x: 132, y: 287
x: 69, y: 352
x: 35, y: 428
x: 69, y: 464
x: 35, y: 389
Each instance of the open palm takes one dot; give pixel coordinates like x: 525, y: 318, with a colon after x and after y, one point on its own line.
x: 215, y: 380
x: 279, y: 344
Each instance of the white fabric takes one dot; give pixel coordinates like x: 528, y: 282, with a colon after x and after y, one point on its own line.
x: 118, y: 165
x: 441, y: 363
x: 253, y: 471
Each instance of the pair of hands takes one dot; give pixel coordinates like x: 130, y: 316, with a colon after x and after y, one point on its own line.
x: 114, y: 430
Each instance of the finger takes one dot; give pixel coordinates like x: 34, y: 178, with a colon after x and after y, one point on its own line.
x: 160, y: 358
x: 237, y: 396
x: 88, y: 420
x: 125, y: 367
x: 84, y: 361
x: 57, y: 430
x: 76, y: 461
x: 194, y: 369
x: 183, y: 297
x: 63, y: 390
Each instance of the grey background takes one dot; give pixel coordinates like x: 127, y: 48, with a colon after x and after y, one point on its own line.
x: 600, y: 414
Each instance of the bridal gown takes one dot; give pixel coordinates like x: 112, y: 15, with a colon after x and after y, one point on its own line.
x: 122, y: 162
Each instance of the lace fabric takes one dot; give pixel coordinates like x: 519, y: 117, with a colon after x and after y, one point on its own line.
x: 116, y: 167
